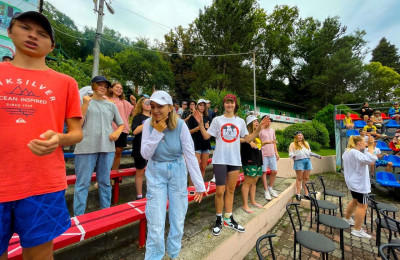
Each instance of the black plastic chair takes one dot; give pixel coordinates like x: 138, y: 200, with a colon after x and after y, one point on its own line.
x: 264, y: 247
x: 332, y: 193
x: 380, y: 223
x: 329, y: 221
x: 381, y: 206
x: 392, y: 225
x: 311, y: 240
x: 392, y: 250
x: 323, y: 204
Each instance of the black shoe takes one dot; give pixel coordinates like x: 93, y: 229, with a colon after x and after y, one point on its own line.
x: 217, y: 226
x: 307, y: 197
x: 234, y: 225
x: 298, y: 197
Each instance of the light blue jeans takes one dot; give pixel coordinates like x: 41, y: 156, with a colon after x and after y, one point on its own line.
x: 165, y: 180
x: 84, y: 167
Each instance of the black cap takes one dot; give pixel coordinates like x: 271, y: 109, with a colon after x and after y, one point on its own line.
x: 101, y: 79
x: 38, y: 17
x: 7, y: 57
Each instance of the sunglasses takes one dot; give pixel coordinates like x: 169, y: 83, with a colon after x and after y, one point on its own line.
x: 298, y: 132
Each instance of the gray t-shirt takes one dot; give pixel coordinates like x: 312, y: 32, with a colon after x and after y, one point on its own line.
x: 97, y: 128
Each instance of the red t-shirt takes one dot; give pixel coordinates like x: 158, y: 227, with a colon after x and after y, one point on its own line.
x: 32, y: 102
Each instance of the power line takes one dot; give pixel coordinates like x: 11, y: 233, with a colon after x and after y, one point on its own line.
x: 157, y: 50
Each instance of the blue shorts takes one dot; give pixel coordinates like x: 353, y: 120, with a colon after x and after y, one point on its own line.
x: 302, y: 165
x: 203, y: 151
x: 269, y: 161
x: 37, y: 219
x: 381, y: 163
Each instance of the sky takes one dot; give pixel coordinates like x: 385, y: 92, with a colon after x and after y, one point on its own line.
x: 154, y: 18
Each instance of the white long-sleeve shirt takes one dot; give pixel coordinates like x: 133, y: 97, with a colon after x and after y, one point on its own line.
x: 355, y: 164
x: 151, y: 140
x: 303, y: 153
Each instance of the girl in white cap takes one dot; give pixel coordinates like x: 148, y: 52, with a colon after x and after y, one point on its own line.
x: 251, y: 164
x: 167, y: 144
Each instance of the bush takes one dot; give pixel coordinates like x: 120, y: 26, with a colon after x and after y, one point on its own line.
x: 314, y: 146
x: 282, y: 143
x: 326, y: 116
x: 278, y: 132
x: 322, y: 133
x: 307, y: 129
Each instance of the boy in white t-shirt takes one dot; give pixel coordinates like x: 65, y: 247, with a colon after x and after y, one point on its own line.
x: 270, y: 157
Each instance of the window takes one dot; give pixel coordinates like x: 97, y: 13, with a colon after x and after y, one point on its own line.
x: 272, y: 111
x: 297, y: 116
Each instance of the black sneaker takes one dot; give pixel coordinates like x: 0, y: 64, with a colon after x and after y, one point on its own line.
x: 298, y: 197
x: 217, y: 226
x: 307, y: 197
x: 234, y: 225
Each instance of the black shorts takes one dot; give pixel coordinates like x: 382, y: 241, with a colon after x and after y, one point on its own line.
x: 221, y: 171
x: 122, y: 140
x: 362, y: 198
x: 140, y: 162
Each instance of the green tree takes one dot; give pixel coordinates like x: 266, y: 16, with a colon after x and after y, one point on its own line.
x: 386, y: 54
x: 228, y: 27
x: 71, y: 68
x: 380, y: 83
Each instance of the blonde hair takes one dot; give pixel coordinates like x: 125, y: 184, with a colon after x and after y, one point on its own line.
x: 139, y: 106
x: 172, y: 121
x: 353, y: 140
x: 297, y: 145
x: 250, y: 127
x: 205, y: 112
x: 111, y: 94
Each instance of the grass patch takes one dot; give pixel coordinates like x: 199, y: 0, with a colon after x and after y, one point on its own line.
x: 323, y: 152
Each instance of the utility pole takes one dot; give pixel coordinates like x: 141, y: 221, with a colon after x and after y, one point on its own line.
x: 254, y: 78
x: 99, y: 32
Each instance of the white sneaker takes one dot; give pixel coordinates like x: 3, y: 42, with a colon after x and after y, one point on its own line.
x: 213, y: 179
x: 360, y: 233
x: 350, y: 221
x: 267, y: 195
x: 272, y: 192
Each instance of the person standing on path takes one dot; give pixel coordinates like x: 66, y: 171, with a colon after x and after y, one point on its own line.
x: 301, y: 153
x: 40, y: 100
x: 355, y: 164
x: 168, y: 145
x: 227, y: 130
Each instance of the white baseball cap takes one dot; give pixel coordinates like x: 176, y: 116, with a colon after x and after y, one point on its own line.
x: 160, y: 97
x: 250, y: 119
x: 86, y: 91
x: 208, y: 101
x: 201, y: 101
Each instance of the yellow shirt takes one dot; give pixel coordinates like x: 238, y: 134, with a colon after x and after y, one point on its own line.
x: 347, y: 121
x: 370, y: 128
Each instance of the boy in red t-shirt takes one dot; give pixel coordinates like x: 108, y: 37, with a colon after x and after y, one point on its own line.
x: 35, y: 103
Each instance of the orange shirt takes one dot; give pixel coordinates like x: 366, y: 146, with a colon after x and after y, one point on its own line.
x: 32, y: 102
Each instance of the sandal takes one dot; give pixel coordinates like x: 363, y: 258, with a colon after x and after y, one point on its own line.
x: 257, y: 206
x: 249, y: 211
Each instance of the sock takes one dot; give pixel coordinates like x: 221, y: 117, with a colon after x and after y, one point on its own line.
x: 269, y: 187
x: 227, y: 217
x: 139, y: 196
x: 219, y: 215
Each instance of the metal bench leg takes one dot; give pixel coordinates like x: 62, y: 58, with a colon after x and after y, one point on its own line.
x: 340, y: 206
x: 116, y: 190
x: 142, y: 232
x: 342, y: 243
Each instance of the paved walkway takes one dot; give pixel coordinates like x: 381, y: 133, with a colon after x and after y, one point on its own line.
x: 355, y: 248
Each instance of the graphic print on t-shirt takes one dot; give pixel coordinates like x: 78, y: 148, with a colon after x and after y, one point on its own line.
x: 229, y: 132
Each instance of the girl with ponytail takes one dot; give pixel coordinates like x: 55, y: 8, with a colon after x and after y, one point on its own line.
x: 355, y: 164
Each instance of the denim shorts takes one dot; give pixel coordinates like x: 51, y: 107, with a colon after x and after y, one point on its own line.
x: 203, y: 151
x: 303, y: 165
x: 269, y: 161
x: 36, y: 219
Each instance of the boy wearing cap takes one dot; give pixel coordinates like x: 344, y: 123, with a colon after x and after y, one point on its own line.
x: 371, y: 129
x: 36, y: 102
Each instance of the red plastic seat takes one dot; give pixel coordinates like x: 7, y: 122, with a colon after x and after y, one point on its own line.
x: 340, y: 117
x: 355, y: 117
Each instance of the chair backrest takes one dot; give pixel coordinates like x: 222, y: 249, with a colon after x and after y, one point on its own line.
x: 374, y: 206
x: 381, y: 145
x: 264, y: 247
x: 321, y: 179
x: 360, y: 123
x: 390, y: 222
x: 385, y: 176
x: 391, y: 251
x: 314, y: 202
x: 355, y: 117
x: 392, y: 158
x: 310, y: 186
x: 340, y: 117
x: 351, y: 132
x: 289, y: 209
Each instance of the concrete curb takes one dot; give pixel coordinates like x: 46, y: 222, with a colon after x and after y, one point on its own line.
x: 239, y: 244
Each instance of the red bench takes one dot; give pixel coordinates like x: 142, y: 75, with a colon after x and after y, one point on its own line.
x: 101, y: 221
